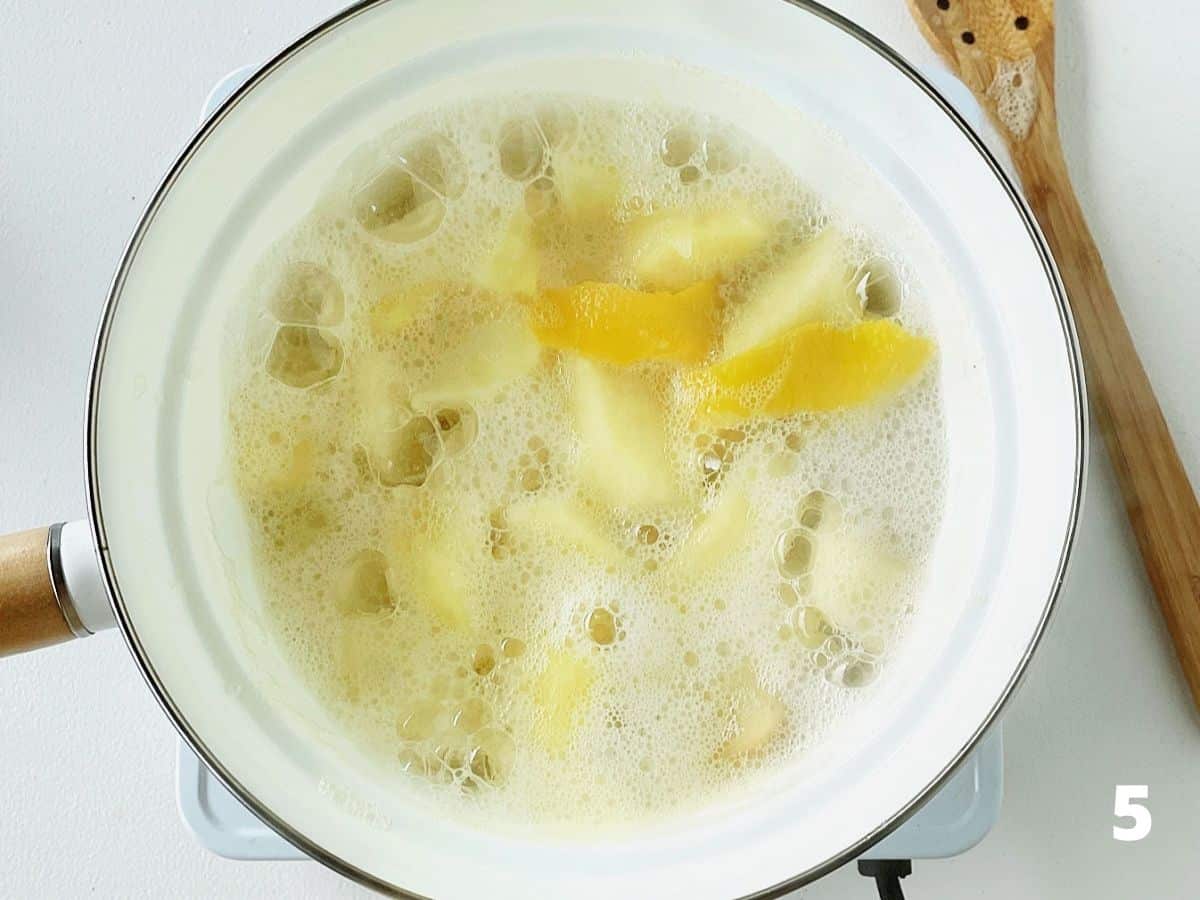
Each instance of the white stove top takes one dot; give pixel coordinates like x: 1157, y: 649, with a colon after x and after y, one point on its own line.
x: 954, y: 820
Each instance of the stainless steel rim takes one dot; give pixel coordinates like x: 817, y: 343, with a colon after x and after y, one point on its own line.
x: 195, y: 741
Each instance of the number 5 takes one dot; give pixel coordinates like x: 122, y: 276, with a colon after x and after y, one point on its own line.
x: 1125, y: 808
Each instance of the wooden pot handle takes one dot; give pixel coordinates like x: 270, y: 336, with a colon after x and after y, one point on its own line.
x: 30, y: 614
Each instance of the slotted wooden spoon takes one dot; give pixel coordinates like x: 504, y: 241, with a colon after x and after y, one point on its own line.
x: 1003, y: 50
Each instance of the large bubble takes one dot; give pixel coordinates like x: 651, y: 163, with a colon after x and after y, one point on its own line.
x: 363, y: 588
x: 394, y: 206
x: 521, y: 149
x: 679, y: 145
x: 408, y: 454
x: 559, y: 123
x: 307, y: 294
x: 437, y: 162
x: 302, y: 356
x: 879, y: 289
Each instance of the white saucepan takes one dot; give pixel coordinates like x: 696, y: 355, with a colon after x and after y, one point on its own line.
x: 164, y: 549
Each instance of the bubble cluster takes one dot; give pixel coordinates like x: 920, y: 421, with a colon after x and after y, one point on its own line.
x: 439, y: 563
x: 695, y: 152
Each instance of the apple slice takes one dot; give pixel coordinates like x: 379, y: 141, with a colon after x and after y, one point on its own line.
x: 852, y: 577
x: 757, y: 717
x: 440, y: 582
x: 435, y: 567
x: 563, y: 523
x: 560, y: 692
x: 588, y: 193
x: 359, y: 666
x: 719, y: 533
x: 811, y: 284
x: 380, y: 390
x: 402, y: 448
x: 672, y: 249
x: 298, y: 468
x: 512, y: 270
x: 489, y: 356
x: 622, y: 435
x: 393, y: 312
x: 265, y: 466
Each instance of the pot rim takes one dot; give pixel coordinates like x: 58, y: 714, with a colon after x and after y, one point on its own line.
x: 360, y: 876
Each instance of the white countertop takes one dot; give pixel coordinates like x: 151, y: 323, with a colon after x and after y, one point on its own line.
x: 95, y: 100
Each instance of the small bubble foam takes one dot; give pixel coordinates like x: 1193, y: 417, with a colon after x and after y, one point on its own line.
x: 407, y: 573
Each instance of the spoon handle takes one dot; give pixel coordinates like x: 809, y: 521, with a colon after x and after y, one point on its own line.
x: 1159, y: 499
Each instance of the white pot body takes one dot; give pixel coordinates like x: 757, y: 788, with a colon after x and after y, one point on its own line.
x: 174, y: 547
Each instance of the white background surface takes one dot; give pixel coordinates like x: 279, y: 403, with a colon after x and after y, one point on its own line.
x: 95, y: 100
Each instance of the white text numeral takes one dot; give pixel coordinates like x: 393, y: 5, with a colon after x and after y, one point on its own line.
x: 1124, y: 807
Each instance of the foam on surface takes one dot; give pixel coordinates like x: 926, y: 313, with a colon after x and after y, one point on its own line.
x: 449, y: 578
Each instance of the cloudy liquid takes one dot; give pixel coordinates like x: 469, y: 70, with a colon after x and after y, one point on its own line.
x: 465, y: 589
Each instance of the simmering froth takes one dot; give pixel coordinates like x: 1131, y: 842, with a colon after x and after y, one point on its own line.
x: 527, y: 558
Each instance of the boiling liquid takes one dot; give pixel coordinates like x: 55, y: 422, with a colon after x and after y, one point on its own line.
x: 478, y: 598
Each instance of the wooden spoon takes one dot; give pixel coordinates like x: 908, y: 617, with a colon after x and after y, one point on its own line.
x: 1003, y: 50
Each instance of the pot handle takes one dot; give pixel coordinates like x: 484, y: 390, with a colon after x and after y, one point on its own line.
x: 50, y: 588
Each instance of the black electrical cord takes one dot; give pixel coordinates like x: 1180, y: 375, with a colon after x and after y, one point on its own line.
x: 887, y: 874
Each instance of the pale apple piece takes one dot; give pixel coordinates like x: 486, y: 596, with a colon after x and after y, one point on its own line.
x: 671, y: 249
x: 289, y: 472
x: 622, y: 435
x: 723, y: 530
x: 812, y: 284
x: 560, y: 692
x: 393, y: 312
x: 380, y: 390
x: 441, y: 584
x: 298, y: 467
x: 852, y: 577
x: 353, y: 657
x: 402, y: 447
x: 757, y: 717
x: 282, y: 458
x: 564, y: 523
x: 512, y: 270
x: 435, y: 568
x: 587, y: 192
x: 488, y: 357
